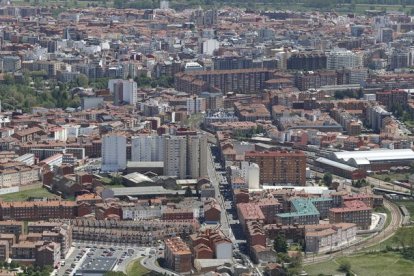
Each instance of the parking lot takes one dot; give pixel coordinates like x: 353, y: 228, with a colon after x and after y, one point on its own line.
x: 99, y: 258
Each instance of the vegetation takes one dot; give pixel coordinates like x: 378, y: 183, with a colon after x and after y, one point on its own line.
x: 345, y: 267
x: 409, y: 204
x: 327, y: 179
x: 28, y: 194
x: 115, y: 273
x: 280, y: 244
x: 135, y: 268
x: 35, y: 271
x: 340, y: 95
x: 359, y: 183
x: 145, y: 81
x: 368, y: 264
x: 389, y: 177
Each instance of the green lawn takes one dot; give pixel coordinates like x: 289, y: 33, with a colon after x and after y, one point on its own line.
x: 403, y: 235
x: 135, y: 268
x: 409, y: 204
x: 25, y: 195
x: 374, y: 264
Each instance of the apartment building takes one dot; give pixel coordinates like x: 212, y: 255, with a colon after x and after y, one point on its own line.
x: 147, y: 148
x: 177, y: 255
x: 185, y: 155
x: 303, y: 212
x: 123, y: 91
x: 354, y: 211
x: 243, y: 80
x: 37, y: 210
x: 280, y: 167
x: 211, y: 243
x: 114, y: 152
x: 4, y: 250
x: 325, y: 237
x: 11, y: 227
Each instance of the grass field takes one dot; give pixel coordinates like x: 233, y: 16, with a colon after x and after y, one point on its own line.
x: 403, y: 235
x: 135, y: 268
x: 25, y: 195
x: 373, y: 264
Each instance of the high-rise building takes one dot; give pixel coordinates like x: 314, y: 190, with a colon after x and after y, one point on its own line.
x: 251, y: 173
x: 307, y: 61
x: 175, y: 156
x: 124, y: 91
x: 10, y: 63
x: 341, y: 58
x: 185, y: 155
x: 196, y: 105
x: 197, y: 155
x: 113, y: 153
x: 386, y: 35
x: 280, y: 167
x: 147, y: 148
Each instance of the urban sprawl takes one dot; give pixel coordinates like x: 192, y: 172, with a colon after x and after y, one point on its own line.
x: 206, y: 141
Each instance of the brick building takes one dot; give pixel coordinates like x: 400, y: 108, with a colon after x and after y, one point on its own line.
x: 177, y: 255
x: 280, y: 167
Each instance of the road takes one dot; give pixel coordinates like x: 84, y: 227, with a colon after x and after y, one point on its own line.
x: 225, y: 220
x: 149, y: 263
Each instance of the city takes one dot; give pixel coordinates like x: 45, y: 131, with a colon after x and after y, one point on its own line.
x: 181, y: 138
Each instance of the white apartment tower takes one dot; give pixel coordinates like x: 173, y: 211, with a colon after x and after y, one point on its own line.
x: 175, y: 156
x: 185, y: 156
x: 113, y: 153
x: 342, y: 58
x: 123, y: 91
x: 147, y: 148
x: 250, y: 172
x: 197, y: 156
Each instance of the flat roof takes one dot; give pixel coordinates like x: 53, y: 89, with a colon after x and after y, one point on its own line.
x: 151, y: 190
x: 145, y: 164
x: 308, y: 189
x: 92, y: 266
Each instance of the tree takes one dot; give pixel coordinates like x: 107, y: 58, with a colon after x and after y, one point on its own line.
x: 345, y: 267
x: 280, y: 244
x: 82, y: 81
x: 327, y: 179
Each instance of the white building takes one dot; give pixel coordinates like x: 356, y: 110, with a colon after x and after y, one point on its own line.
x: 72, y: 131
x: 223, y: 249
x: 175, y: 156
x: 209, y: 46
x: 91, y: 102
x: 251, y: 173
x: 139, y: 212
x: 197, y: 156
x: 147, y: 148
x: 341, y: 58
x: 319, y: 238
x: 196, y: 105
x: 113, y: 153
x: 123, y: 91
x: 193, y: 66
